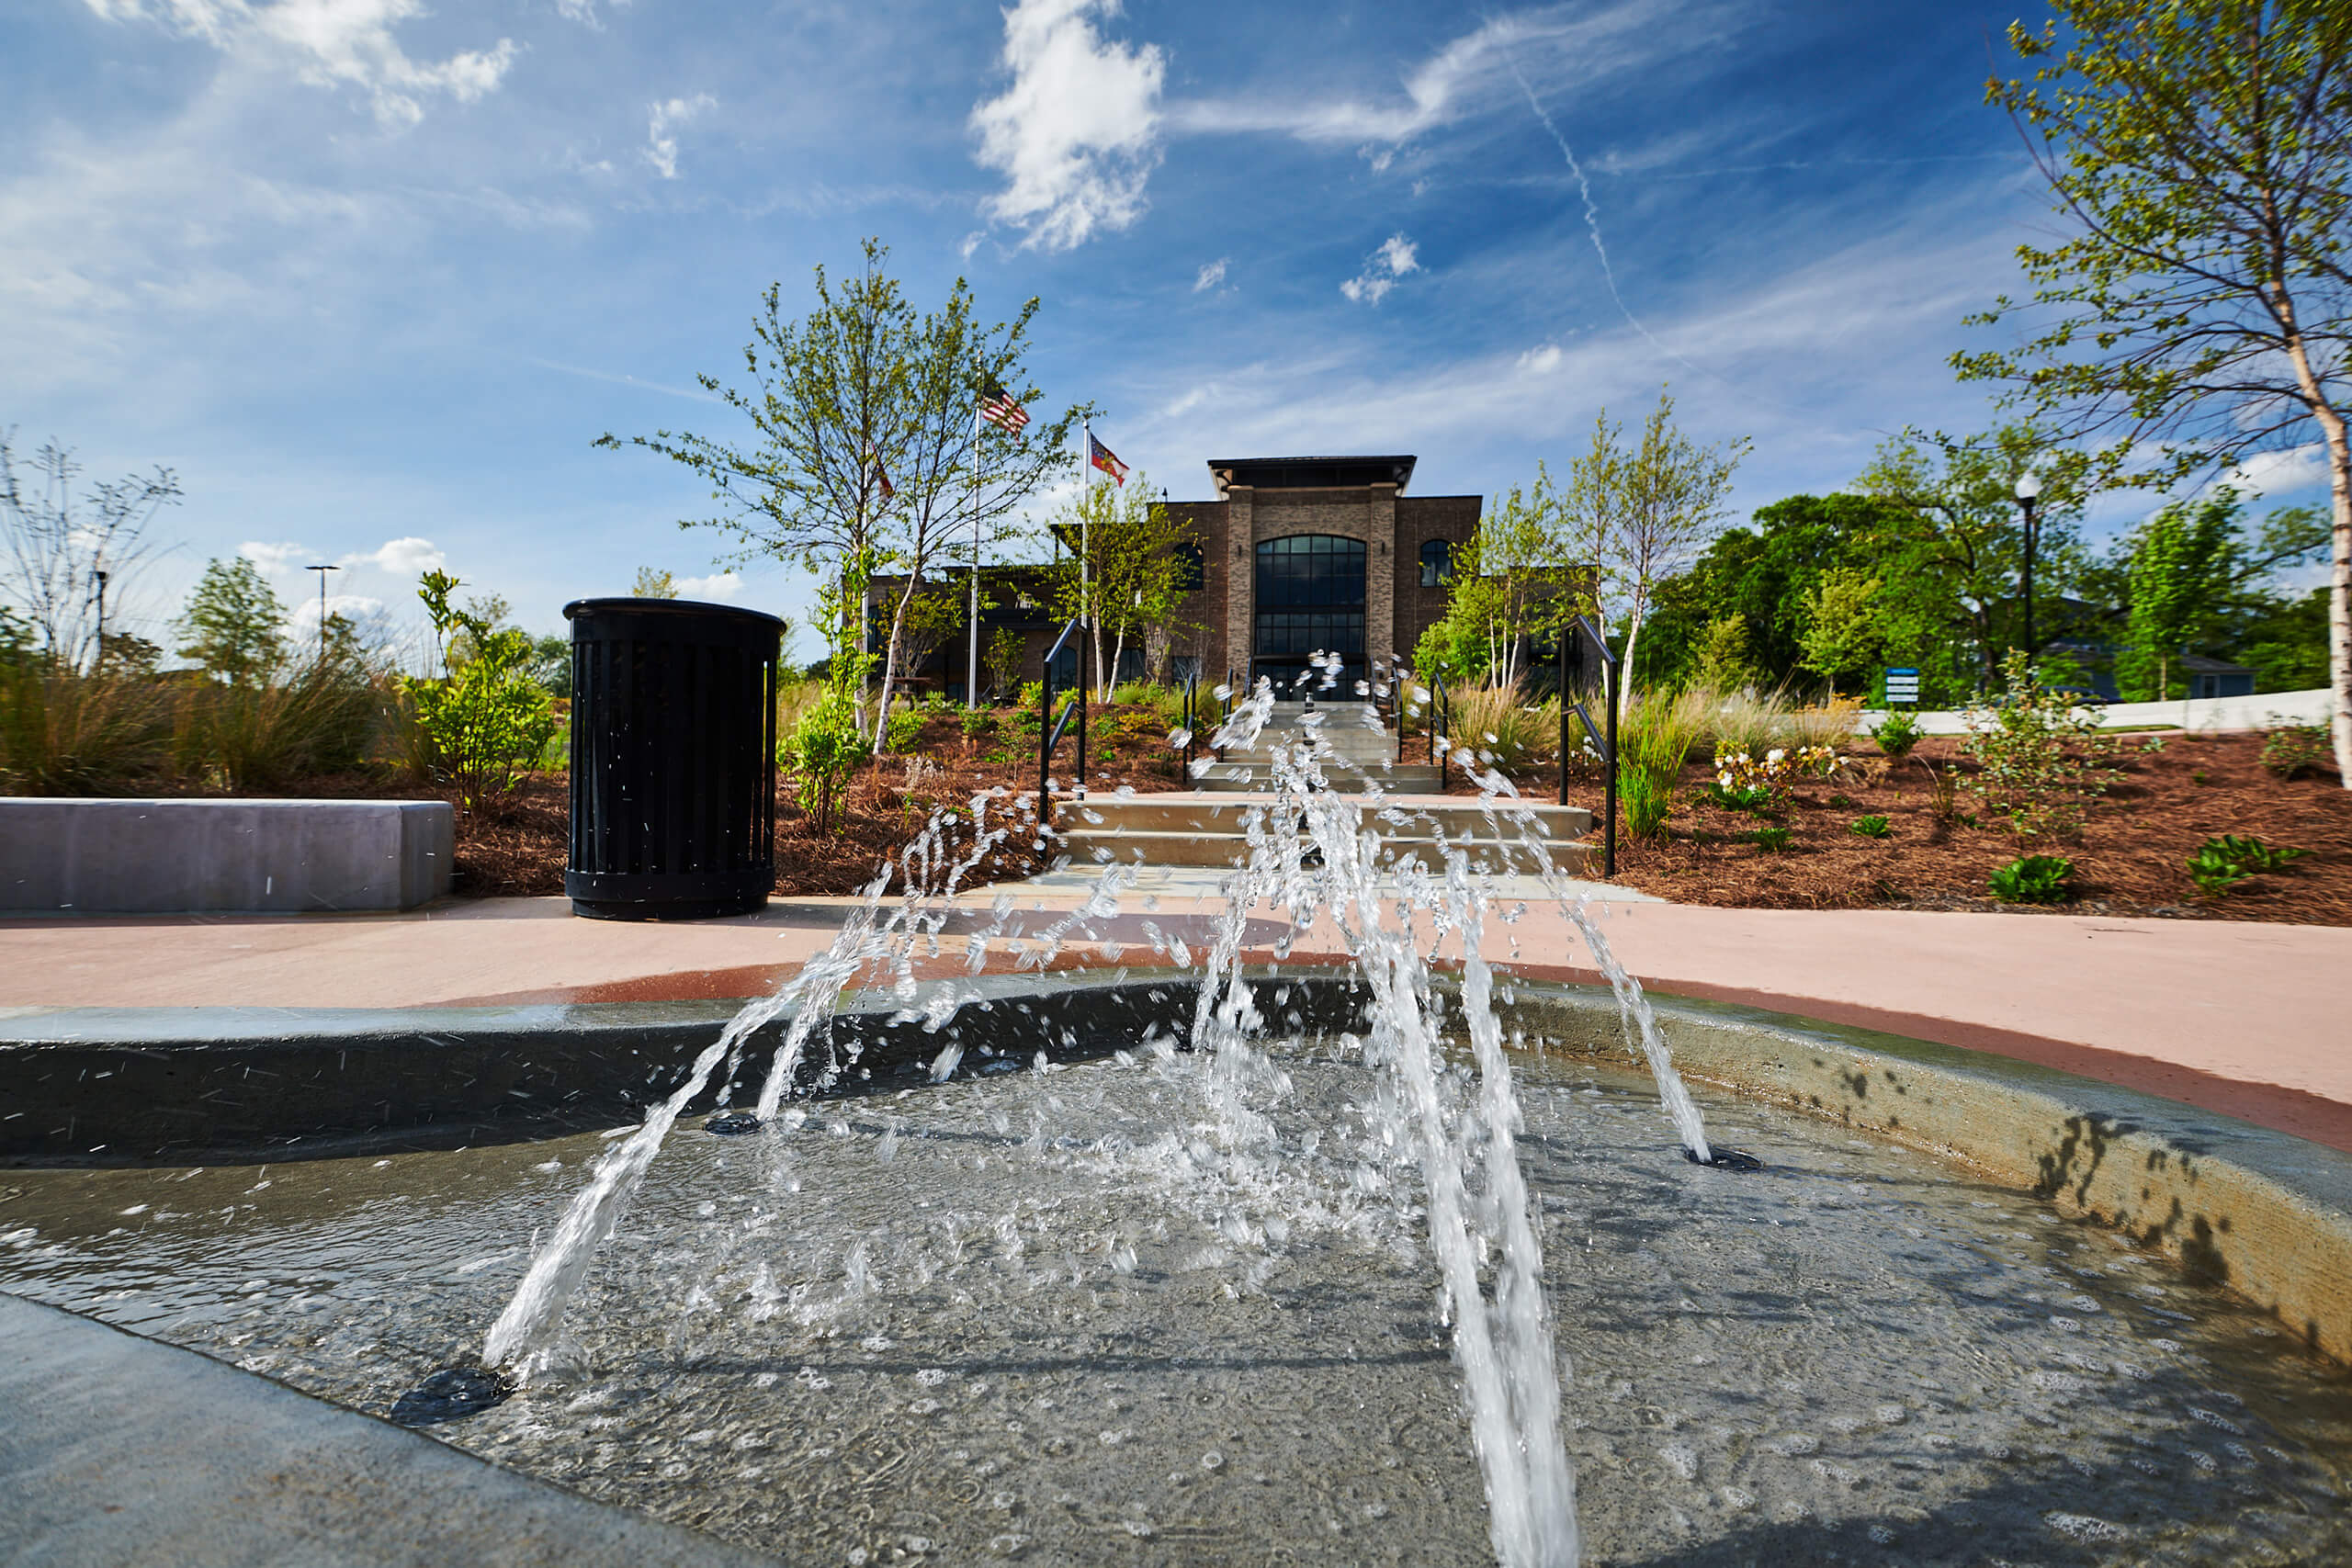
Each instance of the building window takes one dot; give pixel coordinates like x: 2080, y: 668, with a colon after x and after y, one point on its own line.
x: 1437, y: 563
x: 1192, y: 567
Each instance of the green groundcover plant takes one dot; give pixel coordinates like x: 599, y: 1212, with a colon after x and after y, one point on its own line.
x: 1872, y: 826
x: 2221, y: 863
x: 2033, y: 879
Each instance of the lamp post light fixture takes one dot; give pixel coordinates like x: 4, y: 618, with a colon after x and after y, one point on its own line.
x: 2029, y: 490
x: 322, y: 571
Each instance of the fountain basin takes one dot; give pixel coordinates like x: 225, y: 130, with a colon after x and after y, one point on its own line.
x: 2268, y: 1213
x: 1025, y: 1314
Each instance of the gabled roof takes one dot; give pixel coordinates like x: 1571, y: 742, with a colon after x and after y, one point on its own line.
x: 1311, y: 473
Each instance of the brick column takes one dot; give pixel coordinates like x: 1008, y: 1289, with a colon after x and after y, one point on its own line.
x: 1380, y: 574
x: 1240, y: 583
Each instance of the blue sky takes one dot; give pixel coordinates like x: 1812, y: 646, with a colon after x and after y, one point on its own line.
x: 372, y: 276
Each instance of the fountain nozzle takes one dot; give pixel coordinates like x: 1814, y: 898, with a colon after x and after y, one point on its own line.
x: 1724, y: 1158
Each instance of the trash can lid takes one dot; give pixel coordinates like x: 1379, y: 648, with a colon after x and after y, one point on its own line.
x: 624, y: 605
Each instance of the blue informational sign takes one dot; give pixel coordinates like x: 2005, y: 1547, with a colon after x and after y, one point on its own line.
x: 1902, y: 688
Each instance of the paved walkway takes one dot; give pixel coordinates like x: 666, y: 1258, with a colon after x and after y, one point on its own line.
x: 2249, y: 1020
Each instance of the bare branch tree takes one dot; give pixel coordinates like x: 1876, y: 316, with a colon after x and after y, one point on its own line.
x: 59, y: 556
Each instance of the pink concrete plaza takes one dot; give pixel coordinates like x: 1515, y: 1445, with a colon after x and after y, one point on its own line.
x: 2251, y: 1019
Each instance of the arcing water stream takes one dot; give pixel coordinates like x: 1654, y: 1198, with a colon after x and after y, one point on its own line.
x: 1311, y: 852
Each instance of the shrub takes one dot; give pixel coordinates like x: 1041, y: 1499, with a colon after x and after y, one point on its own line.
x: 1871, y: 826
x: 1652, y: 743
x: 2033, y: 879
x: 1499, y: 722
x: 317, y: 718
x: 1772, y: 840
x: 2039, y: 757
x: 1821, y: 728
x: 1943, y: 792
x: 2221, y: 863
x: 66, y: 733
x: 1771, y: 773
x: 1757, y: 800
x: 1898, y: 733
x: 2295, y: 749
x: 1031, y: 693
x: 823, y: 751
x: 483, y: 726
x: 903, y: 731
x: 978, y: 722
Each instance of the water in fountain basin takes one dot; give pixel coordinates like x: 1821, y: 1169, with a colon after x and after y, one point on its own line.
x: 1462, y: 1131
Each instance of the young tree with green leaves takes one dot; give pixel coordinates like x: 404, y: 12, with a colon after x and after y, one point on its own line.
x: 2200, y: 310
x: 1844, y: 631
x: 653, y: 584
x: 235, y: 625
x: 1122, y: 564
x: 1521, y: 579
x: 1646, y: 510
x: 864, y: 444
x: 2175, y: 571
x: 1958, y: 547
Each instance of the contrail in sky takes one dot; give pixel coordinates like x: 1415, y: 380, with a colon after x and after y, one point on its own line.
x: 1591, y: 213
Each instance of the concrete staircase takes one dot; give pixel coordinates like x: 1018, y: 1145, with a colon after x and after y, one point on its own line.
x: 1205, y: 828
x: 1359, y: 747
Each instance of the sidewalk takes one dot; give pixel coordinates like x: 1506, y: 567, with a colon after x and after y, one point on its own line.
x: 2248, y: 1020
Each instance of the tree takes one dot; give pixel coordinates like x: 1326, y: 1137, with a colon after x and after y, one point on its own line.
x: 1720, y: 662
x: 1959, y: 546
x: 652, y: 584
x: 60, y: 558
x: 1647, y: 509
x: 1131, y: 549
x: 1000, y: 655
x: 2201, y: 308
x: 1843, y: 631
x: 2175, y: 561
x: 235, y: 625
x: 1520, y: 580
x: 864, y: 444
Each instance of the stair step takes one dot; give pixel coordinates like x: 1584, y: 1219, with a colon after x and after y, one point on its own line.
x: 1230, y: 850
x: 1207, y: 814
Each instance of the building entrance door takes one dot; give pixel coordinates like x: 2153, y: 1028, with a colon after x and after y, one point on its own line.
x: 1309, y: 599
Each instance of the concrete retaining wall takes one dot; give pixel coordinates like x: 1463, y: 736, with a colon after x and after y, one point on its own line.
x: 2265, y: 710
x: 159, y: 857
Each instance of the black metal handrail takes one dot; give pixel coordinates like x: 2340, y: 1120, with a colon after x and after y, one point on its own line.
x: 1050, y: 733
x: 1192, y: 720
x: 1574, y: 640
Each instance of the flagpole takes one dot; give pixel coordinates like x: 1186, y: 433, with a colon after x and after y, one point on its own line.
x: 972, y: 659
x: 1085, y: 556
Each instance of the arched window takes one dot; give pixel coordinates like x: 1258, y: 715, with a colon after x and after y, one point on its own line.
x: 1437, y: 563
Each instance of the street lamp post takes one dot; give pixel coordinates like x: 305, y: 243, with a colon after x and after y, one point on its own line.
x: 322, y: 571
x: 101, y: 659
x: 2029, y: 490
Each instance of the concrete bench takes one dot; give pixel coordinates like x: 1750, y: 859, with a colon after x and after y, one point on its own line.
x: 77, y: 856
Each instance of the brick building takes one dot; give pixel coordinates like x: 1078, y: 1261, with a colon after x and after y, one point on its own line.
x: 1298, y: 555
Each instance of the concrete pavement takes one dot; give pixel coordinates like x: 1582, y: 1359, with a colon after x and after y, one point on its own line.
x: 2250, y: 1020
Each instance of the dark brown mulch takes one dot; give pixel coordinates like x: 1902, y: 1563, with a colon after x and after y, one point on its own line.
x: 2129, y: 859
x: 519, y: 849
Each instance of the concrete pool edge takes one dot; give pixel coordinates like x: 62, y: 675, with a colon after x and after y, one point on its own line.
x: 2264, y: 1211
x: 126, y: 1451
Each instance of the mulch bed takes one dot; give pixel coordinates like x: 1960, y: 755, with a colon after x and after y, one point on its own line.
x: 2129, y: 858
x: 519, y: 849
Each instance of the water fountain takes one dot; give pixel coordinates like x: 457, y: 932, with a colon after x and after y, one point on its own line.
x: 1238, y: 1275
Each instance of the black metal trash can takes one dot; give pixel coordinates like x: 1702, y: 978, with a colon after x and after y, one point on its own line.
x: 673, y: 759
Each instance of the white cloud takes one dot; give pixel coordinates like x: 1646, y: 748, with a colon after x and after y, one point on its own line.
x: 1471, y: 75
x: 1397, y: 256
x: 407, y: 557
x: 660, y: 147
x: 328, y: 43
x: 725, y: 586
x: 361, y: 610
x: 1210, y: 276
x: 1076, y: 133
x: 1541, y: 361
x: 273, y: 559
x: 2280, y: 473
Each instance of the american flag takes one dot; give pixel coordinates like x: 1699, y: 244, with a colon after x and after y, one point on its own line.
x: 999, y: 409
